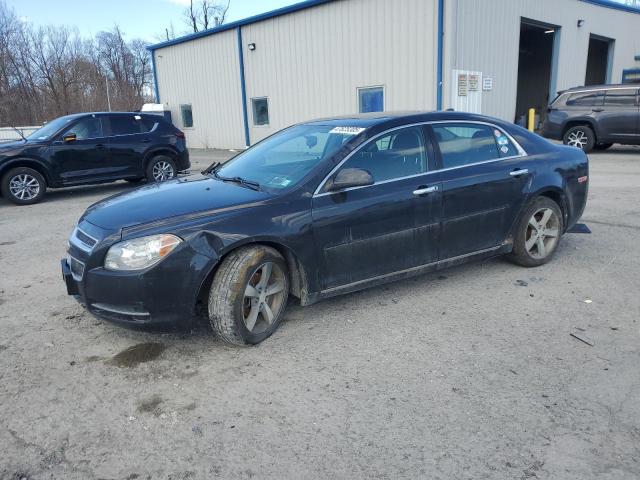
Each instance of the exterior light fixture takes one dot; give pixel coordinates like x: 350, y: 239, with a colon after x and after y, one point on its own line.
x: 252, y: 46
x: 580, y: 23
x: 551, y: 30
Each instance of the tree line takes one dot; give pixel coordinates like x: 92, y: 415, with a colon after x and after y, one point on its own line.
x: 46, y: 72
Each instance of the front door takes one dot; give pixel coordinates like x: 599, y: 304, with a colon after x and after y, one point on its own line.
x: 84, y: 159
x: 483, y: 179
x: 390, y: 226
x: 617, y: 119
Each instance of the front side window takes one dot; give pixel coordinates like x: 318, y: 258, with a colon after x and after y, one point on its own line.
x: 260, y: 108
x: 586, y: 99
x: 282, y: 160
x: 398, y: 154
x: 462, y: 144
x: 50, y: 128
x: 89, y: 127
x: 620, y: 98
x: 370, y: 99
x: 187, y: 116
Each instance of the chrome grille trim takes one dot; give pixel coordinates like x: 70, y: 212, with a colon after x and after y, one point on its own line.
x: 76, y: 267
x: 82, y: 240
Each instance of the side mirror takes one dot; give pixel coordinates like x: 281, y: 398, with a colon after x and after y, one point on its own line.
x: 351, y: 177
x: 69, y: 137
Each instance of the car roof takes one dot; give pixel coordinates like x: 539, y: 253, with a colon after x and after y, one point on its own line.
x: 601, y: 87
x: 367, y: 120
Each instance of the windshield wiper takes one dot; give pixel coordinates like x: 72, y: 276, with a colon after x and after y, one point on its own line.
x: 19, y: 133
x: 239, y: 180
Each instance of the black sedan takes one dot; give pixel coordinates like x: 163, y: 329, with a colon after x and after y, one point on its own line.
x: 89, y: 148
x: 320, y: 209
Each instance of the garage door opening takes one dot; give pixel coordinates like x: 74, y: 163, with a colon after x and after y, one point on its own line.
x: 598, y: 60
x: 536, y: 68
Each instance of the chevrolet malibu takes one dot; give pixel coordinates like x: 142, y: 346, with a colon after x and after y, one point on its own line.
x: 321, y: 209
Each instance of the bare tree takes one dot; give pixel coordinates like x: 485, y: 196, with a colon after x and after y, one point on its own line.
x: 205, y: 14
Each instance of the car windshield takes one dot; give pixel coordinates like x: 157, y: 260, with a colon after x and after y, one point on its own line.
x: 283, y: 159
x: 48, y: 129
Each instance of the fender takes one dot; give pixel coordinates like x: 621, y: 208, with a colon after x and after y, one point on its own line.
x: 581, y: 121
x: 158, y: 150
x: 31, y: 162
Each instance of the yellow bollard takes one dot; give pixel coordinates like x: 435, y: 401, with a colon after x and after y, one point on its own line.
x: 532, y: 119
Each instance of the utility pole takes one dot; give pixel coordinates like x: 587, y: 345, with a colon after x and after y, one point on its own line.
x: 106, y: 81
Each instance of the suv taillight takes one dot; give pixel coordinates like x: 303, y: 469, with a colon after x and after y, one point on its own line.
x: 180, y: 134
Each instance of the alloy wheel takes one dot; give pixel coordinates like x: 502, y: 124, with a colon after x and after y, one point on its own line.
x: 543, y: 231
x: 577, y: 139
x: 263, y: 297
x: 162, y: 171
x: 24, y: 186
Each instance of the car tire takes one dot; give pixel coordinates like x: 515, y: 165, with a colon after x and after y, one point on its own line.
x: 602, y: 146
x: 535, y: 245
x: 580, y: 136
x: 23, y: 186
x: 161, y: 168
x: 241, y: 309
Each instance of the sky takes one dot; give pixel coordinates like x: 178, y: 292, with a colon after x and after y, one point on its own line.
x: 144, y: 19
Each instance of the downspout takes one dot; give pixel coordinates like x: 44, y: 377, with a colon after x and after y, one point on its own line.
x: 155, y: 76
x: 440, y: 53
x: 243, y: 88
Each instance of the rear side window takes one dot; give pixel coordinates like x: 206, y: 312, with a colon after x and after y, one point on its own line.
x: 129, y: 124
x: 462, y: 144
x: 620, y: 97
x: 586, y: 99
x: 399, y: 154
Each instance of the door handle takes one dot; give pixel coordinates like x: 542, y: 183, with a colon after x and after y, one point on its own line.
x: 519, y: 172
x: 100, y: 146
x: 422, y: 191
x: 597, y: 109
x: 146, y: 140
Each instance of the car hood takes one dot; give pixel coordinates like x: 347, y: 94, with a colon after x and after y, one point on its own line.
x: 185, y: 196
x: 7, y: 147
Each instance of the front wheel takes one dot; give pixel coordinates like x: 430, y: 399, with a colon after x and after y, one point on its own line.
x: 581, y: 137
x: 248, y: 295
x: 538, y: 233
x: 23, y: 186
x: 161, y: 168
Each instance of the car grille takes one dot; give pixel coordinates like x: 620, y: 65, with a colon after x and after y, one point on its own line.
x: 77, y: 268
x: 83, y: 241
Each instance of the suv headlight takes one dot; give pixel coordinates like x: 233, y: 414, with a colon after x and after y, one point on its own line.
x: 140, y: 253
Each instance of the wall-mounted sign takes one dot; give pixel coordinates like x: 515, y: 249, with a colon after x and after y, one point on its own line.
x: 462, y: 84
x: 487, y: 83
x: 473, y: 82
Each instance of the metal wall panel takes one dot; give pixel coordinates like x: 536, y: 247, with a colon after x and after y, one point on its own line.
x: 204, y: 73
x: 310, y: 63
x: 484, y: 36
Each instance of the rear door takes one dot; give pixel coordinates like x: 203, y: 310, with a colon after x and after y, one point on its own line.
x: 86, y: 158
x: 390, y: 226
x: 129, y: 139
x: 618, y: 121
x: 483, y: 183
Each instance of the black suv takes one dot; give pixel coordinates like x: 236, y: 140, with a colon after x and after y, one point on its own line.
x: 595, y: 117
x: 91, y: 148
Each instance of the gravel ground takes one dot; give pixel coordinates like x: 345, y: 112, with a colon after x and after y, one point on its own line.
x: 468, y: 373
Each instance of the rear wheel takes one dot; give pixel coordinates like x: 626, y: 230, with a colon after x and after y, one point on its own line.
x: 161, y: 168
x: 538, y: 233
x: 602, y: 146
x: 248, y: 295
x: 23, y: 186
x: 580, y: 136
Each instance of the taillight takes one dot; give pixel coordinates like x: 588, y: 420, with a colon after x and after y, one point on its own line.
x: 180, y: 134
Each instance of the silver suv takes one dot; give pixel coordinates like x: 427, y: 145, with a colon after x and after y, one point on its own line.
x: 595, y: 117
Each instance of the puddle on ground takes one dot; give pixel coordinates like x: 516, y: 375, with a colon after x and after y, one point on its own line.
x: 140, y: 353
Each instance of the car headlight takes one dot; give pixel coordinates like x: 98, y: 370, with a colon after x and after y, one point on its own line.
x: 140, y: 252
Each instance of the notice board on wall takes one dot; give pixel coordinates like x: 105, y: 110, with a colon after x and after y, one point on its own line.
x: 466, y: 94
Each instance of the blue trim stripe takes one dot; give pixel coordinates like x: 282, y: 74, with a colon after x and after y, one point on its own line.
x: 155, y: 77
x: 440, y: 53
x: 239, y: 23
x: 615, y: 5
x: 243, y: 88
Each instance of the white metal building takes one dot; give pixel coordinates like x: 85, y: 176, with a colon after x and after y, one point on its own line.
x: 234, y: 85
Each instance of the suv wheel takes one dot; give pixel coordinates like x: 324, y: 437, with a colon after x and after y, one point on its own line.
x: 161, y: 168
x: 581, y: 137
x: 23, y: 186
x: 538, y: 233
x: 248, y: 295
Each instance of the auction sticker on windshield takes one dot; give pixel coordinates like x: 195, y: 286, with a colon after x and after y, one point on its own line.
x: 347, y: 130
